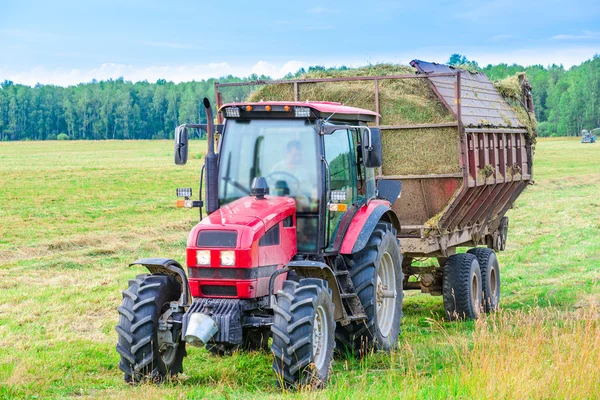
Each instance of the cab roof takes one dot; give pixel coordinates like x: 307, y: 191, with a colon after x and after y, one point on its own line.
x: 319, y: 109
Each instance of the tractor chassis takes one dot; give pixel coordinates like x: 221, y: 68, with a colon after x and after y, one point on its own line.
x: 231, y: 316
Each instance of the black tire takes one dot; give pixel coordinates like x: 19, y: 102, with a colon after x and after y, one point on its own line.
x: 360, y: 337
x: 297, y: 307
x: 252, y: 340
x: 490, y: 277
x: 462, y: 287
x: 146, y: 299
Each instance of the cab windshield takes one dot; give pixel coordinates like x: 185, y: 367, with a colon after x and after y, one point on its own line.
x: 284, y: 152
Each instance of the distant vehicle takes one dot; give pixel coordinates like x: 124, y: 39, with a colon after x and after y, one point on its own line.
x: 588, y: 136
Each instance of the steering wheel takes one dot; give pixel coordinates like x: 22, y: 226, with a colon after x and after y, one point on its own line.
x: 295, y: 182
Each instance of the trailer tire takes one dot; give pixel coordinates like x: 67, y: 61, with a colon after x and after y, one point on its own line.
x: 490, y: 277
x: 382, y: 253
x: 144, y: 302
x: 303, y: 334
x: 462, y: 287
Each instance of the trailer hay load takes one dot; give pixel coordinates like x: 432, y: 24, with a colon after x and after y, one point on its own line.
x: 317, y: 211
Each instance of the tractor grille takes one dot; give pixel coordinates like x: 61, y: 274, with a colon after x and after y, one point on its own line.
x: 216, y: 290
x: 225, y: 312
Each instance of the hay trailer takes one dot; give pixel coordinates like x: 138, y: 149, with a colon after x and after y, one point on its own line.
x: 460, y: 171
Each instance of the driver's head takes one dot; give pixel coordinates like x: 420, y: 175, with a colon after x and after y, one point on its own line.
x: 294, y: 152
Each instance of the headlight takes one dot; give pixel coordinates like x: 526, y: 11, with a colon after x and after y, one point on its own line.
x: 228, y: 257
x: 232, y: 112
x: 302, y: 112
x: 203, y: 257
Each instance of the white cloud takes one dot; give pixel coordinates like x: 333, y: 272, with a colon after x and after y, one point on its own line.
x: 175, y: 73
x: 587, y: 35
x: 274, y: 71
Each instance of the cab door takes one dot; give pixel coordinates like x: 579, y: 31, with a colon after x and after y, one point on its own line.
x: 340, y: 156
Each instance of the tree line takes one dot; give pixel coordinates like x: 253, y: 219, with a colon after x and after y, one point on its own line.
x: 112, y: 109
x: 566, y: 101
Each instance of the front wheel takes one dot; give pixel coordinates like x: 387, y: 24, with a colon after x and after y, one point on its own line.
x: 149, y: 329
x: 303, y: 333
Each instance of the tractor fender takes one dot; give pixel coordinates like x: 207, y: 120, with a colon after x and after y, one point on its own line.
x: 167, y: 266
x: 364, y: 222
x: 316, y: 269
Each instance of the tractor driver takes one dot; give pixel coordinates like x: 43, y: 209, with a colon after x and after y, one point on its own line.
x: 293, y: 177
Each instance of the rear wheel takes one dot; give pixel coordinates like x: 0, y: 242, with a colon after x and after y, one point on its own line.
x: 490, y: 276
x: 462, y: 287
x: 149, y: 329
x: 376, y: 273
x: 303, y: 333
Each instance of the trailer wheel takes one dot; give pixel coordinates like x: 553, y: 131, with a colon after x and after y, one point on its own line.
x: 462, y: 287
x: 490, y: 276
x: 149, y: 342
x: 303, y: 334
x: 377, y: 275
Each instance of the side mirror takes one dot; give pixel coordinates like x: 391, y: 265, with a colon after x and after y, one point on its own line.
x: 371, y: 148
x: 181, y: 145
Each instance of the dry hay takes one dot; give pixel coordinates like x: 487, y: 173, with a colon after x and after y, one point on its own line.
x: 402, y: 101
x: 420, y: 151
x: 510, y: 89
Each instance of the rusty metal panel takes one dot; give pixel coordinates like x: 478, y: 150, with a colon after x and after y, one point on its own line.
x: 481, y: 104
x: 424, y: 198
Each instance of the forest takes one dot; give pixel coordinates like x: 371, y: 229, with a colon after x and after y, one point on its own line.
x: 566, y: 101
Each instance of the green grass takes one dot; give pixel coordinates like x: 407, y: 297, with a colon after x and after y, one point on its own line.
x: 74, y: 214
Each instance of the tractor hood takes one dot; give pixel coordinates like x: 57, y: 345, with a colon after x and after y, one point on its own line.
x: 248, y: 216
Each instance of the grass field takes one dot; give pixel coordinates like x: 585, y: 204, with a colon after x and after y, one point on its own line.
x: 73, y: 214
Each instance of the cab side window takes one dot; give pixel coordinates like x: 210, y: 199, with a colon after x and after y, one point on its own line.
x: 339, y: 153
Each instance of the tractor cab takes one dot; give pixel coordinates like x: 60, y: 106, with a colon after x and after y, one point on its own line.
x: 287, y: 144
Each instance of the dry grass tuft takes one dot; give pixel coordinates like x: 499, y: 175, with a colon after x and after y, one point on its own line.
x: 512, y: 350
x: 510, y: 89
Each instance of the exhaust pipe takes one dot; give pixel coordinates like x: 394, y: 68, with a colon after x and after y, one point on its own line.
x: 200, y: 329
x: 210, y: 162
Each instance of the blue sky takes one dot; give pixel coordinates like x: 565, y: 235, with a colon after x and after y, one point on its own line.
x: 66, y: 42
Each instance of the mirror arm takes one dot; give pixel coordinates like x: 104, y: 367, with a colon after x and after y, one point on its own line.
x: 370, y: 144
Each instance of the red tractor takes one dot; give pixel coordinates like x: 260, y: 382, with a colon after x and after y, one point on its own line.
x: 299, y: 245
